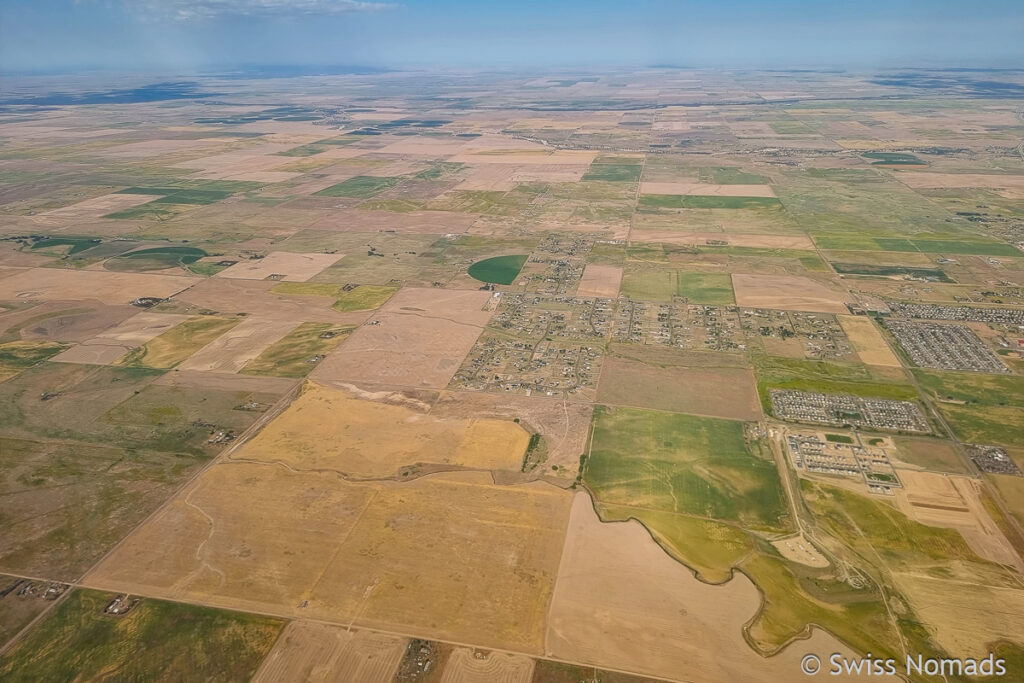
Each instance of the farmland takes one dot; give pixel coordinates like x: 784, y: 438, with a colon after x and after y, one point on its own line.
x: 408, y: 376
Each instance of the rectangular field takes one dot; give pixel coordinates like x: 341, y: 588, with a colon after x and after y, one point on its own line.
x: 288, y: 266
x: 867, y: 341
x: 231, y: 351
x: 110, y: 346
x: 418, y: 338
x: 706, y: 189
x: 727, y: 392
x: 789, y: 293
x: 452, y: 557
x: 600, y: 281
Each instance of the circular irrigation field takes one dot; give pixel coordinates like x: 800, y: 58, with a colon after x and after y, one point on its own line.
x: 500, y: 270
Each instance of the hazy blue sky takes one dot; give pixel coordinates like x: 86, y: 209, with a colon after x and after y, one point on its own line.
x: 59, y: 34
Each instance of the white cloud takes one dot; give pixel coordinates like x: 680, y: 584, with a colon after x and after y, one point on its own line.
x: 205, y: 9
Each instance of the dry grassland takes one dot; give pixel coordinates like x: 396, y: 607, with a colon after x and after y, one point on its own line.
x: 867, y: 341
x: 924, y: 179
x: 621, y: 602
x: 521, y: 157
x: 419, y: 340
x: 488, y: 177
x: 733, y: 239
x: 255, y: 297
x: 51, y: 284
x: 964, y: 618
x: 789, y: 293
x: 110, y: 346
x: 326, y: 429
x: 710, y: 391
x: 449, y: 557
x: 411, y: 223
x: 706, y: 189
x: 294, y: 267
x: 239, y: 345
x: 954, y: 502
x: 600, y: 281
x: 474, y: 666
x: 564, y: 426
x: 313, y: 652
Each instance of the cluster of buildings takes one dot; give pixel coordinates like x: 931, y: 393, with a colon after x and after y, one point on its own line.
x: 993, y: 460
x: 563, y: 259
x: 544, y: 368
x: 842, y: 409
x: 1009, y: 316
x: 945, y: 346
x: 813, y: 453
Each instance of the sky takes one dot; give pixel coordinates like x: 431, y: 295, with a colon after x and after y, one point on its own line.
x: 80, y: 35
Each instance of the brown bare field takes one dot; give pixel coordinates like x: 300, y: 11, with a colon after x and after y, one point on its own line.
x: 419, y: 338
x: 492, y: 177
x: 600, y: 281
x: 788, y: 292
x: 867, y: 341
x: 419, y: 146
x: 255, y: 297
x: 710, y: 391
x: 239, y: 345
x: 70, y: 321
x: 923, y: 179
x: 706, y: 189
x: 225, y: 382
x: 733, y: 239
x: 964, y: 618
x: 954, y: 502
x: 51, y: 284
x: 449, y: 557
x: 293, y: 266
x: 549, y: 174
x: 634, y: 608
x: 326, y: 429
x: 799, y: 549
x: 475, y: 666
x: 307, y: 651
x: 96, y: 207
x: 413, y: 222
x: 562, y: 425
x: 111, y: 345
x: 156, y: 148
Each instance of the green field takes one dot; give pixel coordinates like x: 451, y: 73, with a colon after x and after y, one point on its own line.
x: 291, y: 355
x: 179, y: 342
x: 888, y: 271
x: 854, y: 242
x: 363, y: 297
x: 499, y: 270
x: 838, y: 438
x: 683, y: 464
x: 979, y: 408
x: 359, y: 298
x: 678, y: 201
x: 17, y: 355
x: 729, y: 175
x: 155, y: 641
x: 76, y: 244
x: 614, y: 172
x: 893, y: 159
x: 360, y: 187
x: 157, y: 258
x: 706, y: 288
x: 790, y: 128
